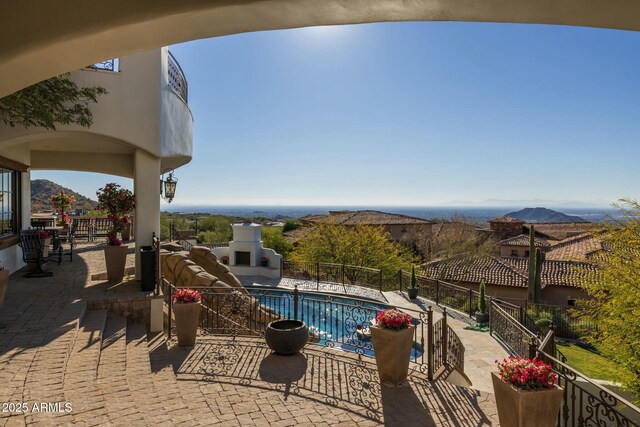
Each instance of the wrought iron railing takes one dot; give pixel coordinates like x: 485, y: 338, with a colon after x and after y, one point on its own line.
x: 371, y: 278
x: 333, y: 322
x: 108, y: 65
x: 585, y: 403
x: 177, y: 79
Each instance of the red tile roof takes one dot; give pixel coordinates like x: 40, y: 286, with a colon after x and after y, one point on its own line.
x: 562, y: 230
x: 523, y: 240
x: 506, y: 271
x: 365, y: 217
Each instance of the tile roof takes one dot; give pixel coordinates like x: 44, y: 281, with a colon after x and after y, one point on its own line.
x: 577, y: 248
x: 523, y: 240
x: 506, y: 271
x: 366, y: 217
x: 561, y: 230
x: 507, y: 218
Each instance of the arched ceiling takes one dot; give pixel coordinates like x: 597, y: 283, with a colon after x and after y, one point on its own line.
x: 40, y: 39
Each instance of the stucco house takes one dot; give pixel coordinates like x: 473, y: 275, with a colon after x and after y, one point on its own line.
x: 141, y: 128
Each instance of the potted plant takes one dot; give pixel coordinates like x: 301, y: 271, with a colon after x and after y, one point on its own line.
x: 526, y: 393
x: 264, y: 261
x: 225, y: 259
x: 481, y: 315
x: 117, y: 203
x: 413, y: 291
x: 186, y: 309
x: 46, y: 242
x: 392, y: 338
x: 62, y: 204
x: 4, y: 281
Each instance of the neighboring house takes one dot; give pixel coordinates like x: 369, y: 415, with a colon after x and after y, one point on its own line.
x: 400, y: 227
x: 519, y: 246
x: 507, y: 277
x: 141, y: 128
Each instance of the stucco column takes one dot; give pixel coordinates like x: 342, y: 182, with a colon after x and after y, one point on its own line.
x: 146, y: 184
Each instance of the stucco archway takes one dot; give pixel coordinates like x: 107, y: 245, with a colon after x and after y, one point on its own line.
x: 42, y: 39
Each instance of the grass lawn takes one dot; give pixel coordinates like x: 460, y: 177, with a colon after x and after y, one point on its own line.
x: 589, y: 362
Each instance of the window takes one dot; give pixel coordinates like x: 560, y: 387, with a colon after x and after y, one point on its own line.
x: 526, y: 253
x: 9, y: 203
x: 514, y: 252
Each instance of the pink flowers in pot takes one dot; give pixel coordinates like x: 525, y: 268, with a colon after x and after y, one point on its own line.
x: 62, y: 203
x: 526, y: 373
x: 186, y: 296
x: 118, y: 203
x: 43, y: 234
x: 393, y: 319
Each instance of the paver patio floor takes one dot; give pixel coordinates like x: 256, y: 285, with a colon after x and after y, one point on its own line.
x: 114, y: 373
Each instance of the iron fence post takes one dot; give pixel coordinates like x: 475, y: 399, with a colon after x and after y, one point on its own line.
x: 400, y: 279
x: 317, y: 275
x: 295, y: 303
x: 343, y: 273
x: 491, y: 316
x: 437, y: 292
x: 430, y: 348
x: 445, y: 336
x: 521, y: 315
x: 380, y: 280
x: 532, y: 347
x: 470, y: 303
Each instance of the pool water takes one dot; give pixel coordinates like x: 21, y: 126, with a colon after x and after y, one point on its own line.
x: 334, y: 321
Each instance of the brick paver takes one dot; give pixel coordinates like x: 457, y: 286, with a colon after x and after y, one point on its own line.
x: 113, y: 373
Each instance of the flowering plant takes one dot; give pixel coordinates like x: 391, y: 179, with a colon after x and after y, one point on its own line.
x: 43, y: 234
x: 117, y: 203
x: 62, y: 203
x: 393, y: 319
x: 185, y: 296
x: 526, y: 373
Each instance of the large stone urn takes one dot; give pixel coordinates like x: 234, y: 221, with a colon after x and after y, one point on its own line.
x: 187, y: 319
x: 392, y: 349
x: 286, y: 337
x: 4, y: 282
x: 525, y: 408
x: 116, y: 258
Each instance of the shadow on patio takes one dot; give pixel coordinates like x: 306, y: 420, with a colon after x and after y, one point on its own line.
x: 324, y: 380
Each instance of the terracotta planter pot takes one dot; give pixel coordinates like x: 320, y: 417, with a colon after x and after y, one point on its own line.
x: 4, y: 282
x: 524, y: 408
x: 187, y: 319
x: 393, y: 352
x: 115, y: 257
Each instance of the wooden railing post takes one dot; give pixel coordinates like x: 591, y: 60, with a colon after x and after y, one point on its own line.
x: 430, y: 348
x: 295, y: 303
x: 445, y: 336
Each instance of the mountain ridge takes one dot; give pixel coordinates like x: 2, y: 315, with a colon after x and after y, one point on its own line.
x: 540, y: 214
x: 43, y: 189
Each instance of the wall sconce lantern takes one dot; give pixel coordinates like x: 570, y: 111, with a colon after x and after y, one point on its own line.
x: 169, y: 186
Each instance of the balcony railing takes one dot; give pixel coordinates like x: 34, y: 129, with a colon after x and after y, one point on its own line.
x: 108, y: 65
x: 177, y: 80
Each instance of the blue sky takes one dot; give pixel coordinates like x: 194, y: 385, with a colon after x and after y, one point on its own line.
x: 408, y: 114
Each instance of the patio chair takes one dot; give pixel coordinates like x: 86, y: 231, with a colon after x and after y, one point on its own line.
x: 81, y: 228
x: 101, y: 226
x: 32, y: 253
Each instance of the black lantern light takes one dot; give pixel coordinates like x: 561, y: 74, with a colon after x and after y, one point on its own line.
x: 169, y: 186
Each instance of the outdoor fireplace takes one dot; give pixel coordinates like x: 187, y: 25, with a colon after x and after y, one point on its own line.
x: 243, y: 258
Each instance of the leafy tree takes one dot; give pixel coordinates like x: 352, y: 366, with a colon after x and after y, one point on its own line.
x: 360, y: 245
x: 57, y: 100
x: 272, y: 238
x: 616, y: 294
x: 291, y: 225
x: 458, y: 238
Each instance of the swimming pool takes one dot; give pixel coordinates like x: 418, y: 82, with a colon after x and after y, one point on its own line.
x: 334, y: 321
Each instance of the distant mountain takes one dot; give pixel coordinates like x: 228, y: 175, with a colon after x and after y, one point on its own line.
x: 561, y: 204
x: 544, y: 215
x: 43, y: 189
